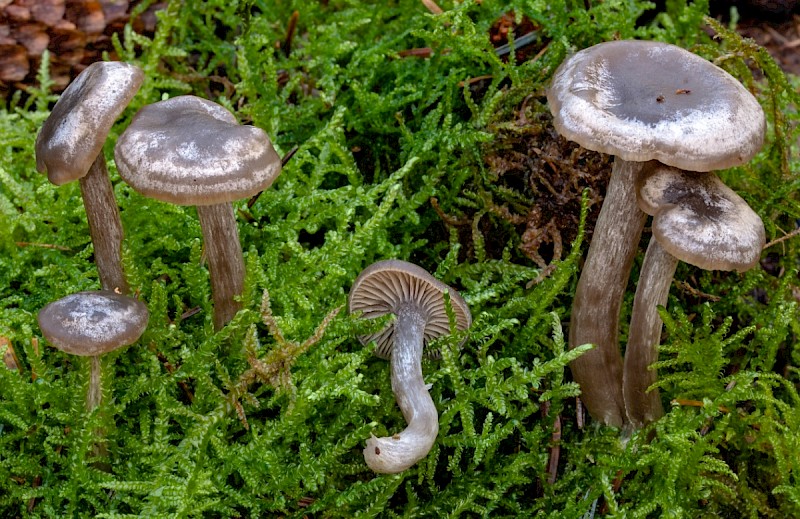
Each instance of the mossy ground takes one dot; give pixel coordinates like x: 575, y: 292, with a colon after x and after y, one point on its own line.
x: 415, y: 140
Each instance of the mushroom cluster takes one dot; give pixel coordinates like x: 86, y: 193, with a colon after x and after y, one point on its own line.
x: 696, y: 219
x: 417, y: 300
x: 640, y: 101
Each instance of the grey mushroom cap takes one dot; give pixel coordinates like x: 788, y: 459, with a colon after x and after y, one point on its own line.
x: 700, y: 220
x: 93, y: 322
x: 191, y: 151
x: 645, y: 100
x: 73, y: 135
x: 385, y: 286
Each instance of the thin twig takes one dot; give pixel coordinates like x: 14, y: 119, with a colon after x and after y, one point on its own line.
x: 284, y: 160
x: 782, y: 239
x: 520, y: 42
x: 432, y: 7
x: 290, y: 29
x: 42, y: 245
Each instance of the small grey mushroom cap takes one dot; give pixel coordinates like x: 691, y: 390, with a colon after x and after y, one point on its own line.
x: 700, y: 220
x: 646, y: 100
x: 93, y: 322
x: 191, y: 151
x: 386, y: 285
x: 73, y: 135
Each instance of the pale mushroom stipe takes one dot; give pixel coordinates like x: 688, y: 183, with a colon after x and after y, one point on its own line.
x: 696, y: 219
x: 639, y: 101
x: 69, y: 147
x: 417, y: 301
x: 190, y: 151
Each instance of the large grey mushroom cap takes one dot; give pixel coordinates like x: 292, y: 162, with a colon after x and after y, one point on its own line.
x: 645, y: 100
x: 385, y: 286
x: 93, y: 322
x: 73, y: 135
x: 191, y: 151
x: 700, y: 220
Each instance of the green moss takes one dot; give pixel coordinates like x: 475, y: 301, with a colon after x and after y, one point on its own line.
x: 414, y: 155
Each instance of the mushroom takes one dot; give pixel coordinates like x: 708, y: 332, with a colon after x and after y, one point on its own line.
x: 190, y: 151
x: 70, y: 145
x: 696, y: 219
x: 417, y: 301
x: 91, y: 323
x: 639, y: 101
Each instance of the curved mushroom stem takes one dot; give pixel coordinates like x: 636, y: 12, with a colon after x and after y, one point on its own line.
x: 655, y: 279
x: 598, y: 297
x: 396, y: 453
x: 105, y: 226
x: 225, y: 260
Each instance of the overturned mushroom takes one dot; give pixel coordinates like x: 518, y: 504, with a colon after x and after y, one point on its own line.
x: 638, y: 101
x: 89, y: 324
x: 417, y: 301
x: 190, y: 151
x: 696, y: 219
x: 70, y: 145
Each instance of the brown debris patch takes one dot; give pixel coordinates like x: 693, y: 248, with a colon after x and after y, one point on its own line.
x: 532, y: 193
x: 780, y: 38
x: 76, y: 32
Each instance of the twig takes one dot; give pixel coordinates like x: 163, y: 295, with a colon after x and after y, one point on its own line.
x: 697, y: 403
x: 284, y: 160
x: 171, y: 370
x: 35, y: 346
x: 555, y: 446
x: 689, y: 289
x: 782, y: 239
x: 190, y: 312
x: 432, y: 7
x: 42, y: 245
x: 520, y: 42
x: 290, y: 29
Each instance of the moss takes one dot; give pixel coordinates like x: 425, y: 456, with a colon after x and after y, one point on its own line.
x: 415, y: 140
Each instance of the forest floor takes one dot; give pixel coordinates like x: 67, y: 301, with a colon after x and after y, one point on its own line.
x: 780, y: 37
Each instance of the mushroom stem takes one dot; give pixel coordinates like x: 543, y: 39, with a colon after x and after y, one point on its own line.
x: 655, y: 279
x: 105, y: 226
x: 598, y: 296
x: 94, y: 395
x: 396, y: 453
x: 225, y: 259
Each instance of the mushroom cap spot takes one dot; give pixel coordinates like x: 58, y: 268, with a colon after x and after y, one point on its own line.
x: 386, y: 285
x: 700, y: 220
x: 73, y: 135
x: 646, y: 100
x: 93, y: 322
x: 191, y: 151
